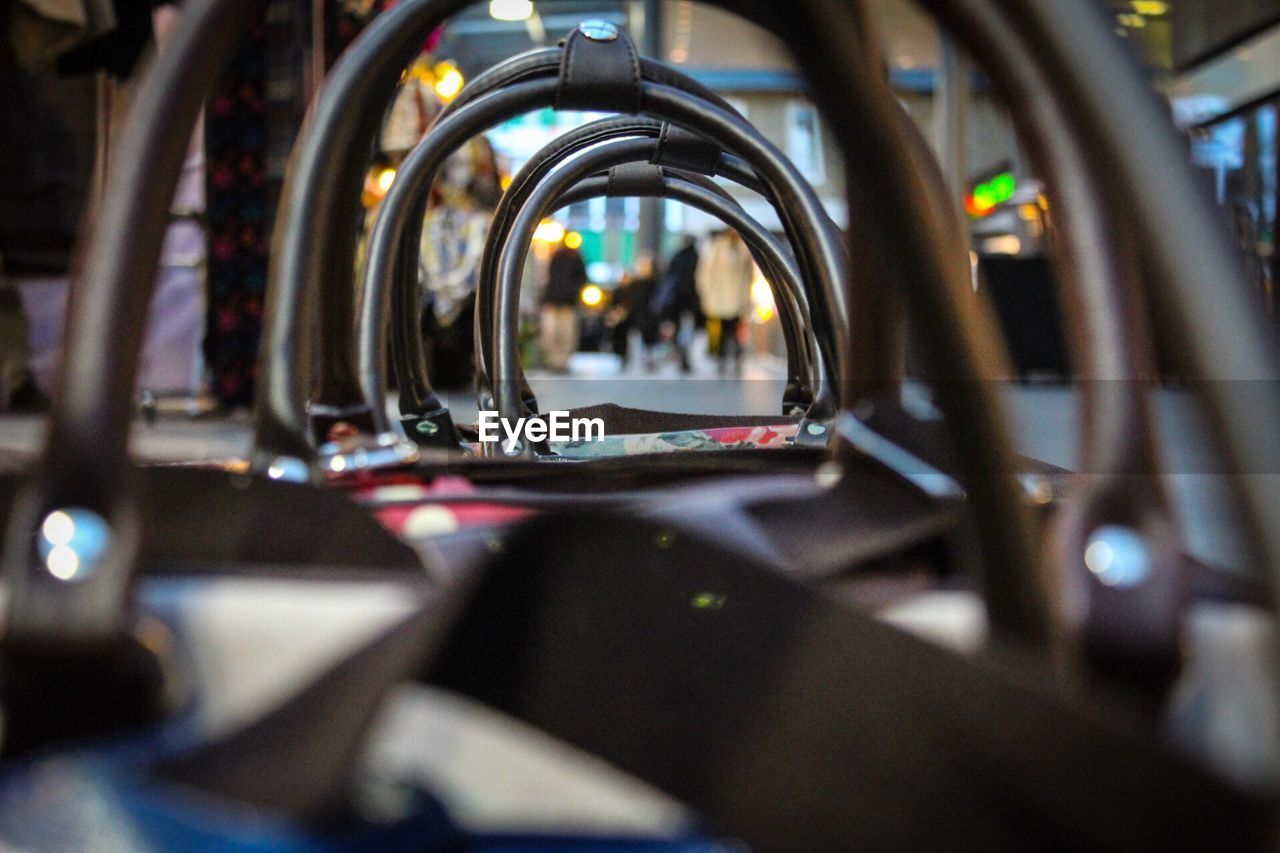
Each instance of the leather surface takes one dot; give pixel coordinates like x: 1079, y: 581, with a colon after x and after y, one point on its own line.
x: 599, y: 75
x: 683, y: 149
x: 635, y: 179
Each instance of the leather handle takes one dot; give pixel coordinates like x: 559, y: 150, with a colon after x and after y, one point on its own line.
x: 338, y: 135
x: 635, y: 179
x: 599, y: 70
x: 730, y: 166
x: 540, y: 202
x: 682, y: 149
x: 417, y: 398
x: 85, y: 465
x: 807, y: 376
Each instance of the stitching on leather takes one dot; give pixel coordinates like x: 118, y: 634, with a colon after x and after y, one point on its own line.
x: 566, y: 68
x: 660, y: 151
x: 567, y: 78
x: 637, y: 81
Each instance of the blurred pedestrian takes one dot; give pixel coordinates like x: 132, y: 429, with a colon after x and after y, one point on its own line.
x: 675, y: 299
x: 631, y: 310
x: 724, y: 275
x: 20, y: 393
x: 566, y: 274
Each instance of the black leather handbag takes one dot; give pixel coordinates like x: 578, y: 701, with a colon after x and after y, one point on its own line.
x: 777, y: 715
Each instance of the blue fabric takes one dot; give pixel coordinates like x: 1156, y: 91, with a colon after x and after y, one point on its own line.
x: 104, y: 799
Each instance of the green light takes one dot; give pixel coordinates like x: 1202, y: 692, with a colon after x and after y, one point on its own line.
x: 1002, y: 186
x: 708, y: 601
x: 995, y: 191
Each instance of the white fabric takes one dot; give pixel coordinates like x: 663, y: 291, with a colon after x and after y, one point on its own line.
x: 723, y: 277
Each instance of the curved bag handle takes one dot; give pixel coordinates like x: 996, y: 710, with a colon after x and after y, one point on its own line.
x: 540, y: 202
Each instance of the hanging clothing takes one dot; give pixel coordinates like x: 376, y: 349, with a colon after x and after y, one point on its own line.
x: 39, y: 32
x: 238, y: 204
x: 449, y: 260
x: 50, y: 127
x: 251, y: 123
x: 414, y: 108
x: 117, y: 48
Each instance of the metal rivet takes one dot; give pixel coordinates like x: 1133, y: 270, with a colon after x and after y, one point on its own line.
x: 1118, y: 556
x: 289, y: 469
x: 598, y: 30
x: 72, y: 543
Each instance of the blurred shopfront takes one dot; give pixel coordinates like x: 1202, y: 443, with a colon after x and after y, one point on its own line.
x: 1225, y: 90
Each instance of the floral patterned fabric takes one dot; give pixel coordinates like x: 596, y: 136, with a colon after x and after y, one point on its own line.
x: 719, y: 438
x: 235, y: 139
x: 252, y: 121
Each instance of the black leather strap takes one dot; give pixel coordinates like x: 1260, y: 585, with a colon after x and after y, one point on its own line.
x: 683, y: 149
x: 546, y: 62
x: 636, y: 179
x: 599, y: 73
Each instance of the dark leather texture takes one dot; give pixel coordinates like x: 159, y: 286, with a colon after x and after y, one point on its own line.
x: 599, y: 75
x: 635, y: 179
x: 683, y: 149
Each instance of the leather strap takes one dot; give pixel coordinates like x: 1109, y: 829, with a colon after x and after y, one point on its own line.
x: 599, y: 73
x: 636, y: 179
x: 546, y: 62
x: 683, y: 149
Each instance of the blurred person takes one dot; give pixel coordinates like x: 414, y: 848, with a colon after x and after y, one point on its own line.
x: 724, y: 275
x: 50, y: 131
x: 631, y: 311
x: 675, y: 300
x: 19, y: 381
x: 566, y: 274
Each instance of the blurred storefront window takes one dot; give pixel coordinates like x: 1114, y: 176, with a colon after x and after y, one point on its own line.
x: 1225, y: 91
x: 1238, y: 155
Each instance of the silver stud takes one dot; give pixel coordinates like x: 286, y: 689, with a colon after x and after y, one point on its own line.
x: 597, y: 30
x: 72, y: 543
x: 290, y: 469
x: 1118, y: 556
